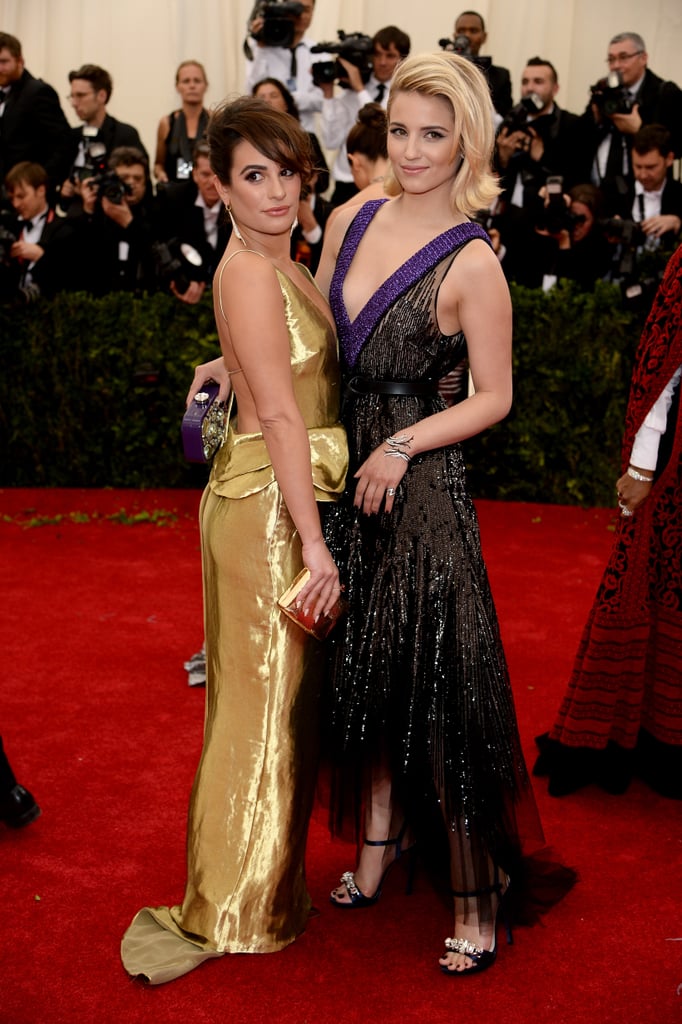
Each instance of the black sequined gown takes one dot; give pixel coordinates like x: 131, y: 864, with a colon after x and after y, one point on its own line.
x: 418, y: 671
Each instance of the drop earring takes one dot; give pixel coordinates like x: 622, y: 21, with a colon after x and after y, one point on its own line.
x: 294, y: 226
x: 234, y: 223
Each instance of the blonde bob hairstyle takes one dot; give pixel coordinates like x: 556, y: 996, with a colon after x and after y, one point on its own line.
x: 464, y: 88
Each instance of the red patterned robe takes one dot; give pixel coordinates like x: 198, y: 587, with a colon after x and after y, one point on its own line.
x: 622, y: 710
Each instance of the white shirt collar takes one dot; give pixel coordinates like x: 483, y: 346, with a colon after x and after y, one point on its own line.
x: 210, y: 211
x: 654, y: 194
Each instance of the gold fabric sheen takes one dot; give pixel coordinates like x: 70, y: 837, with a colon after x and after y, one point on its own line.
x: 253, y: 792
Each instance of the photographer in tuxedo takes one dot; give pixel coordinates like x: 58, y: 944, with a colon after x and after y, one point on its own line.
x: 538, y: 138
x: 655, y: 200
x: 115, y: 228
x: 630, y: 97
x: 43, y: 249
x: 471, y: 26
x: 86, y: 149
x: 190, y: 213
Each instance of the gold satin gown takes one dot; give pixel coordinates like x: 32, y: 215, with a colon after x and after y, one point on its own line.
x: 253, y: 791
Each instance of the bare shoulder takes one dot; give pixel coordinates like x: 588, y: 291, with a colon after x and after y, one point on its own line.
x: 473, y: 286
x: 245, y: 268
x: 476, y: 266
x: 339, y: 222
x: 246, y: 282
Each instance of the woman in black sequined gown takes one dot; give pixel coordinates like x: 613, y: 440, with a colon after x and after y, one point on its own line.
x: 423, y: 723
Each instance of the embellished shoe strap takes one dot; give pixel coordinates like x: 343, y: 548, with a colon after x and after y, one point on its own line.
x: 465, y: 947
x: 348, y: 879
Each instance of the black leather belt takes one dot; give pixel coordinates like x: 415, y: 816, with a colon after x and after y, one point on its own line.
x: 370, y: 386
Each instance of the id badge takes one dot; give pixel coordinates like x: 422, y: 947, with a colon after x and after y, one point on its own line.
x: 183, y: 168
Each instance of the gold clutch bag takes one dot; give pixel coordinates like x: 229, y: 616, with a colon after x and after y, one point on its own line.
x: 324, y: 625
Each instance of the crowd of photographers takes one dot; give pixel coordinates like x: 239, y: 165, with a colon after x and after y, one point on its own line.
x: 584, y: 197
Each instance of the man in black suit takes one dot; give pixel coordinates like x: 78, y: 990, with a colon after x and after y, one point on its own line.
x: 190, y: 213
x: 471, y: 25
x: 547, y: 141
x: 536, y: 140
x: 32, y: 123
x: 43, y: 253
x: 115, y: 227
x: 655, y: 199
x: 640, y: 98
x: 86, y: 149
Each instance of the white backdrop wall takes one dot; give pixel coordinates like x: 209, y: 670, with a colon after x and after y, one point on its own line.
x: 141, y: 42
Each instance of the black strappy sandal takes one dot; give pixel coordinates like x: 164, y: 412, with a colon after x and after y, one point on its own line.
x: 481, y: 959
x: 357, y: 897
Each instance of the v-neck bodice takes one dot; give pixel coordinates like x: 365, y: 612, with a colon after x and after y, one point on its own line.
x: 353, y: 334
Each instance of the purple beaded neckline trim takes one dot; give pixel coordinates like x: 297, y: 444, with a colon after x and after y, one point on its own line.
x: 353, y: 335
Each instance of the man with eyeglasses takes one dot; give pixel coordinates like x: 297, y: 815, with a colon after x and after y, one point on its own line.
x: 86, y: 149
x: 32, y: 123
x: 631, y: 96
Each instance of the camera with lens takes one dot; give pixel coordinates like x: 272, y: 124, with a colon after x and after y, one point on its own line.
x: 638, y: 281
x: 110, y: 186
x: 610, y: 96
x: 176, y: 262
x: 279, y: 17
x: 461, y: 45
x: 95, y: 157
x: 517, y: 118
x: 628, y: 232
x: 355, y: 47
x: 10, y: 288
x: 554, y: 215
x: 8, y: 233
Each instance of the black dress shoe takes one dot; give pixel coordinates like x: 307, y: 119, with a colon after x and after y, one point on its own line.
x: 18, y: 808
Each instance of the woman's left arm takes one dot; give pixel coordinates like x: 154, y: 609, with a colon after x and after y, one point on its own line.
x: 474, y: 298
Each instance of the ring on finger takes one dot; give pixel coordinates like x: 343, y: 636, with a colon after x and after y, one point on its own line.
x: 390, y: 491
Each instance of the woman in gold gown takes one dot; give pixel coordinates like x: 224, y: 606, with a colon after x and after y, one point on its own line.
x: 284, y: 452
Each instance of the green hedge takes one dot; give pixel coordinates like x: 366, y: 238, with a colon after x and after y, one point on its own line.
x: 92, y: 393
x: 573, y: 354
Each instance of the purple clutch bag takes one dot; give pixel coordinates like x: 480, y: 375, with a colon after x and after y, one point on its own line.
x: 203, y: 425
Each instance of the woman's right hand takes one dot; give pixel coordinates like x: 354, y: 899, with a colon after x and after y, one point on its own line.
x: 323, y: 589
x: 213, y: 370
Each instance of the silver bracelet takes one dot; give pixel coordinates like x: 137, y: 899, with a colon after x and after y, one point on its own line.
x: 639, y: 476
x: 396, y: 445
x: 399, y: 442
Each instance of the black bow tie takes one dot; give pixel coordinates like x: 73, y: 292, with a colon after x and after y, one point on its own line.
x: 28, y: 224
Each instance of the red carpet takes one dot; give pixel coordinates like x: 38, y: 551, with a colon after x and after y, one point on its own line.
x: 98, y: 616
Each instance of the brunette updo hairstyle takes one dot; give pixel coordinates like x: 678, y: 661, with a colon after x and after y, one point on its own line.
x: 368, y: 134
x: 277, y: 136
